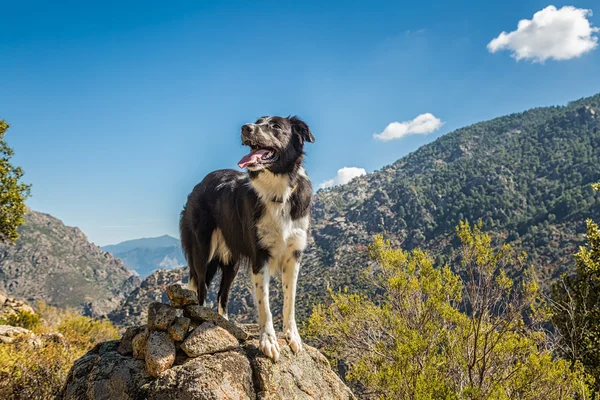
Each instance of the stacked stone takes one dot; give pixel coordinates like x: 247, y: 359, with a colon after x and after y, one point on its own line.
x: 183, y: 325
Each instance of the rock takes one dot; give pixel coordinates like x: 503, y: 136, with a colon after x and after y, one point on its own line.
x: 138, y: 344
x: 134, y: 310
x: 13, y: 306
x: 242, y: 373
x: 202, y: 314
x: 160, y: 316
x: 9, y: 333
x: 181, y: 297
x: 126, y: 344
x: 106, y: 376
x: 12, y: 334
x: 179, y: 329
x: 2, y: 299
x: 218, y: 376
x: 160, y: 353
x: 13, y: 331
x: 306, y: 375
x: 105, y: 347
x: 208, y: 338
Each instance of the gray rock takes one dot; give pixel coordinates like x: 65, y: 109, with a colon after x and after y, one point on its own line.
x: 13, y: 331
x: 225, y: 375
x: 181, y: 297
x: 11, y: 334
x: 306, y: 375
x: 160, y: 316
x: 243, y: 373
x: 126, y: 344
x: 178, y: 331
x: 160, y: 353
x: 208, y: 338
x: 139, y: 342
x: 203, y: 314
x: 106, y: 376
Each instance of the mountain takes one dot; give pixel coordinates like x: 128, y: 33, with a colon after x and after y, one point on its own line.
x: 146, y: 255
x: 57, y: 264
x: 145, y: 243
x: 526, y: 176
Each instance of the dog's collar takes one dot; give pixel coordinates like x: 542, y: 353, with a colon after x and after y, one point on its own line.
x: 276, y: 200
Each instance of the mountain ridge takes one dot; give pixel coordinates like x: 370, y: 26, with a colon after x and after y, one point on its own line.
x: 57, y: 264
x: 144, y: 242
x: 146, y: 255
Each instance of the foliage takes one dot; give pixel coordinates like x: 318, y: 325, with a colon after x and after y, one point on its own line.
x: 576, y: 300
x: 23, y: 319
x: 12, y: 192
x: 38, y: 372
x: 437, y: 334
x: 526, y: 176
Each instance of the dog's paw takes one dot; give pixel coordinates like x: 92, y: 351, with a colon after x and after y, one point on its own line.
x: 293, y: 340
x: 268, y: 345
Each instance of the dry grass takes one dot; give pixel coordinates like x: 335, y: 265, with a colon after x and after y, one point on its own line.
x: 38, y: 372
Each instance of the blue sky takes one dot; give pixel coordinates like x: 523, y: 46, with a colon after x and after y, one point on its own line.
x: 117, y: 109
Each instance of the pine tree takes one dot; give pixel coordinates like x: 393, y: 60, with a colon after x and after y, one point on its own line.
x: 12, y: 192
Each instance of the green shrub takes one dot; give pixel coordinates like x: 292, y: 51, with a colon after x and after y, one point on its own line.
x: 437, y: 334
x: 23, y: 319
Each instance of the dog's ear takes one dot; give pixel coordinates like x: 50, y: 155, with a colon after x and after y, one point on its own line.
x: 300, y: 128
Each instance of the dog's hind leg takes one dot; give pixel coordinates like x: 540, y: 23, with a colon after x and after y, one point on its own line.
x: 199, y: 263
x: 229, y: 272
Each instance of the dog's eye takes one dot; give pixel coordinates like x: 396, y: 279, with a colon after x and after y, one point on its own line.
x: 277, y: 127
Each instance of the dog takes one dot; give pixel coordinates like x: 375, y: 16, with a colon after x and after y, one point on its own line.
x: 259, y: 218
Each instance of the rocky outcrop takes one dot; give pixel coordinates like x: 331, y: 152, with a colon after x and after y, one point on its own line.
x: 57, y: 264
x: 11, y: 306
x: 215, y: 360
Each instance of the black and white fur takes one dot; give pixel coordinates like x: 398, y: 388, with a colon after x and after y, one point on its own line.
x: 259, y: 218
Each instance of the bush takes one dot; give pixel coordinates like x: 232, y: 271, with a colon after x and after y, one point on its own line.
x: 23, y: 319
x: 38, y: 372
x: 439, y: 334
x: 576, y: 301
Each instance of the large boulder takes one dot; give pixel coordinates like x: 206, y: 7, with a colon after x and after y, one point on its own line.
x: 148, y: 364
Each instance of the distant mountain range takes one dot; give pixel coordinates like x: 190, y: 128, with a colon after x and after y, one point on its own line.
x: 57, y: 264
x: 146, y: 255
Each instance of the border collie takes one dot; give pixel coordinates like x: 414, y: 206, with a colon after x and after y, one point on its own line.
x: 259, y: 218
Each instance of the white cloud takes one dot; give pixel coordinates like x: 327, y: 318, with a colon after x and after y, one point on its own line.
x: 554, y: 33
x: 421, y: 125
x: 344, y: 175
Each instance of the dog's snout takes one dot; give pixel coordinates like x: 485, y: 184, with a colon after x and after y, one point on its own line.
x: 247, y: 130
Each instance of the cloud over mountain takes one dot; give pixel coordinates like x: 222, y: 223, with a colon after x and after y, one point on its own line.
x: 423, y: 124
x: 552, y: 33
x: 344, y: 175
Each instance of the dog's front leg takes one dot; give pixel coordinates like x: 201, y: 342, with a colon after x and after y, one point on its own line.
x: 268, y: 340
x: 289, y: 277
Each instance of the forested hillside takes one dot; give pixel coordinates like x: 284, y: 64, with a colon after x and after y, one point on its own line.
x: 527, y: 176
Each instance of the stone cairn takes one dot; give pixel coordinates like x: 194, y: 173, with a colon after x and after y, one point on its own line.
x: 182, y: 325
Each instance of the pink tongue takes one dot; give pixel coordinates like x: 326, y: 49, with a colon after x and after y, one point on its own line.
x: 252, y: 158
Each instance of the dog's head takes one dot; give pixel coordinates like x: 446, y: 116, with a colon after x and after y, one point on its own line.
x: 276, y: 143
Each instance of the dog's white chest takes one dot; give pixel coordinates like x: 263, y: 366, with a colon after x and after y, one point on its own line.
x: 278, y: 233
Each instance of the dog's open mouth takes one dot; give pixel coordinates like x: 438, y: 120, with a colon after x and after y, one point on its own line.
x: 257, y: 158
